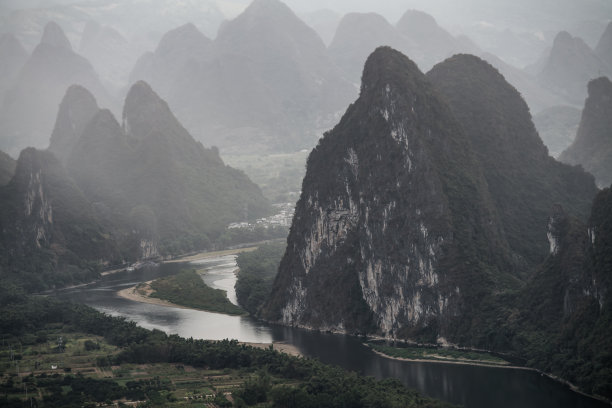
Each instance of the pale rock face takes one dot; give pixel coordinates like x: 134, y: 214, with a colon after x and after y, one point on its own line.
x: 148, y: 249
x: 35, y: 200
x: 552, y: 239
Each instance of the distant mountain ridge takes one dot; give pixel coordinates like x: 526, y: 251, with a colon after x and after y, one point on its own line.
x: 570, y: 65
x: 119, y: 193
x: 592, y: 147
x: 149, y: 166
x: 266, y: 81
x: 30, y: 105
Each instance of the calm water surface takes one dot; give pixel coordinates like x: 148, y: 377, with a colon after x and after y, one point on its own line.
x: 470, y: 386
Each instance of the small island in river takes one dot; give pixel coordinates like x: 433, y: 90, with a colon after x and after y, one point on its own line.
x: 187, y: 290
x: 441, y: 355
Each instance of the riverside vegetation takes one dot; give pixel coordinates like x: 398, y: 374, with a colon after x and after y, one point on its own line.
x: 257, y: 270
x: 438, y: 354
x: 188, y: 289
x: 104, y: 359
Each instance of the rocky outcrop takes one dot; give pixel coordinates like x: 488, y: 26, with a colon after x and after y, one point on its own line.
x: 592, y: 147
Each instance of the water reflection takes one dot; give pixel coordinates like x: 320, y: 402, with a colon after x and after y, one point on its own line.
x: 473, y: 387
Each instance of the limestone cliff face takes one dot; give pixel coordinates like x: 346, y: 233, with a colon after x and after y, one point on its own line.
x: 392, y: 211
x: 564, y: 278
x: 37, y: 210
x: 44, y: 214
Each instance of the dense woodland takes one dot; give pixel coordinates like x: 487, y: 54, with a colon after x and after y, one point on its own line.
x: 257, y: 270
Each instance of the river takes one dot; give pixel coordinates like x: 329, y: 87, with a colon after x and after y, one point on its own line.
x: 470, y: 386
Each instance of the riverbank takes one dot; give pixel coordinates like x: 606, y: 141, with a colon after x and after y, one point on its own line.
x: 443, y: 360
x: 278, y: 346
x: 193, y: 257
x: 140, y: 293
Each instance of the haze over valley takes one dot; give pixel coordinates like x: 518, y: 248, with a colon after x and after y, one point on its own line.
x: 381, y: 187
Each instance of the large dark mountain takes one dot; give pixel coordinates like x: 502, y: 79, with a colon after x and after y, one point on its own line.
x: 149, y: 175
x: 50, y: 234
x: 569, y: 66
x: 439, y: 206
x: 405, y: 230
x: 523, y: 180
x: 592, y: 147
x: 30, y: 106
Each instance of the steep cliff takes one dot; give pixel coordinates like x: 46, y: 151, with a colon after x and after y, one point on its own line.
x: 49, y: 232
x: 592, y: 147
x: 394, y: 232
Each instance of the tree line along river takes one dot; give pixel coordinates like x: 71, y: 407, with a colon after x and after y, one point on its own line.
x: 467, y: 385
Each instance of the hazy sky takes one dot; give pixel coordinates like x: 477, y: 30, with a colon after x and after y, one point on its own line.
x: 458, y: 12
